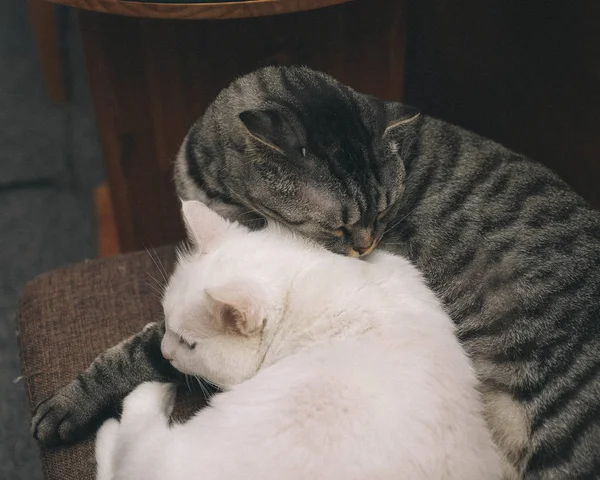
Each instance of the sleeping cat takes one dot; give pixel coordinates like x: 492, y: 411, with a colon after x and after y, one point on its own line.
x: 333, y: 369
x: 511, y: 250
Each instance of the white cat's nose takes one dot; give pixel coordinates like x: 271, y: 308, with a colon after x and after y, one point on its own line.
x: 165, y: 354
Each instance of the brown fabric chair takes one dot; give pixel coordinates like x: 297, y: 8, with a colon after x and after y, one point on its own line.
x: 68, y: 316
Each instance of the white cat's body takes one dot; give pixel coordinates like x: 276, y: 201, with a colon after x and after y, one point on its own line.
x: 335, y: 368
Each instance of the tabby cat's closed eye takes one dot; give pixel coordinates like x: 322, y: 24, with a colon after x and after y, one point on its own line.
x: 384, y: 212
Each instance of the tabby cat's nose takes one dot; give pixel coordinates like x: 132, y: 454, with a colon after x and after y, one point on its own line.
x: 362, y: 240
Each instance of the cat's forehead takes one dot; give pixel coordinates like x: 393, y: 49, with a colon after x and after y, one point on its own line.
x: 327, y: 109
x: 185, y: 284
x: 233, y: 257
x: 185, y: 300
x: 337, y: 127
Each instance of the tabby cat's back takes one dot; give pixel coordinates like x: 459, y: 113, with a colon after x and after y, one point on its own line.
x: 514, y: 254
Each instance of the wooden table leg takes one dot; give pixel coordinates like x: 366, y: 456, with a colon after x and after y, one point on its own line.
x: 107, y: 242
x: 150, y: 79
x: 44, y: 27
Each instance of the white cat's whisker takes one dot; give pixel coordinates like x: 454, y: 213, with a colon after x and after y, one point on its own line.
x: 158, y: 287
x: 158, y: 264
x: 156, y: 293
x: 200, y: 386
x: 156, y: 297
x: 205, y: 392
x: 187, y: 382
x: 208, y: 382
x: 156, y: 283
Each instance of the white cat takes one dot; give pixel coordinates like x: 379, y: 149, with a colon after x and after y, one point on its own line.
x: 333, y: 368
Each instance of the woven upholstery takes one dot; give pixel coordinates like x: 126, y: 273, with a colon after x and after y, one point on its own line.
x: 68, y: 316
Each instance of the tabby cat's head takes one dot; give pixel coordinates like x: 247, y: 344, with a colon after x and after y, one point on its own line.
x: 325, y: 160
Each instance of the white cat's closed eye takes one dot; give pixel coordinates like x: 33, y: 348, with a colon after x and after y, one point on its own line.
x: 190, y: 345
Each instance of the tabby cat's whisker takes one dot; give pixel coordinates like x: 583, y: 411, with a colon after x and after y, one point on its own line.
x: 398, y: 222
x: 241, y: 199
x: 246, y: 213
x: 255, y: 208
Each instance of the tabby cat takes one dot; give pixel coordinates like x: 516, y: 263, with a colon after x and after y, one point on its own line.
x: 510, y: 249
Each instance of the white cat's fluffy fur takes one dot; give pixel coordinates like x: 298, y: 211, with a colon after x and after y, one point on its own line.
x: 334, y: 368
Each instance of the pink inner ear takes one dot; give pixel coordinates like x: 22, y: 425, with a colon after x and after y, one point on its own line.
x: 204, y: 226
x: 232, y: 318
x: 238, y: 306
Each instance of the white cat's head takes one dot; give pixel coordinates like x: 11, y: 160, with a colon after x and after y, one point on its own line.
x: 221, y: 296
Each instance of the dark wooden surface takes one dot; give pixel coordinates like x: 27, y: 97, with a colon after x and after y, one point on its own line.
x: 220, y: 10
x: 150, y: 80
x: 47, y: 42
x: 525, y: 73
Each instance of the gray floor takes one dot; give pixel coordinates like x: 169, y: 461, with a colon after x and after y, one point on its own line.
x: 49, y: 163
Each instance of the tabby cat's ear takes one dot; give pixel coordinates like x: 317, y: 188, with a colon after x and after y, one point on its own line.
x: 238, y: 307
x: 204, y: 227
x: 272, y: 129
x: 399, y: 115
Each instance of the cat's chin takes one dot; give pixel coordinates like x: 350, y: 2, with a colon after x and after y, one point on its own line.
x: 179, y: 368
x: 197, y: 375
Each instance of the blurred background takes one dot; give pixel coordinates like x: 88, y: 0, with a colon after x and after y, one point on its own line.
x: 50, y: 162
x: 523, y: 73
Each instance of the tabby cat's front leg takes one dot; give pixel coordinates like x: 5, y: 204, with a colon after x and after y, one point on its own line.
x: 79, y: 408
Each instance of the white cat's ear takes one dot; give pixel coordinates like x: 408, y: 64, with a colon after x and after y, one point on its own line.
x: 204, y: 226
x: 239, y: 307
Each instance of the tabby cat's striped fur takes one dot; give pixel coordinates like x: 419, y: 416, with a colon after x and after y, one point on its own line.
x: 512, y: 251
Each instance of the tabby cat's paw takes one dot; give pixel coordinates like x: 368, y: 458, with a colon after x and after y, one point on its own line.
x: 64, y: 418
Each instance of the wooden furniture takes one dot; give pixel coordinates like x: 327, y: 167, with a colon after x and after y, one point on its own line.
x: 196, y: 11
x: 153, y: 70
x: 107, y: 238
x: 44, y: 27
